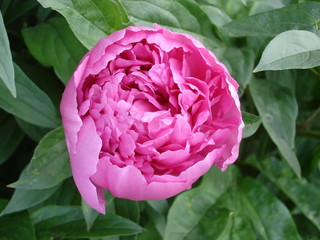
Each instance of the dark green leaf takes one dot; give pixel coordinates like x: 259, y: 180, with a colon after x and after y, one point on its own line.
x: 263, y: 5
x: 34, y: 132
x: 178, y: 15
x: 31, y: 104
x: 269, y: 215
x: 128, y: 209
x: 240, y: 62
x: 291, y: 50
x: 252, y: 123
x: 49, y: 165
x: 159, y: 220
x: 16, y: 226
x: 23, y: 199
x: 53, y: 44
x: 160, y: 206
x: 6, y: 65
x: 67, y: 221
x: 271, y: 23
x: 90, y: 20
x: 150, y: 232
x: 216, y: 15
x: 90, y: 215
x: 190, y: 207
x: 278, y: 108
x: 305, y: 195
x: 19, y: 8
x: 11, y: 136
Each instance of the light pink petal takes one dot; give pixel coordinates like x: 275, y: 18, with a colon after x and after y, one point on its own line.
x: 69, y: 108
x: 84, y: 164
x: 128, y: 182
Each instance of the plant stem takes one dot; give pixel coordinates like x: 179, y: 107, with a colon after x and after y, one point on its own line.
x: 304, y: 133
x: 315, y: 72
x: 313, y: 115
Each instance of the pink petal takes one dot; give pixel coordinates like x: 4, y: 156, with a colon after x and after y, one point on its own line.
x: 128, y: 182
x: 84, y: 164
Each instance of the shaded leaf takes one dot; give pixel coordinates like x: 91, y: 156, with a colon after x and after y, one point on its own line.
x: 90, y: 215
x: 53, y: 44
x: 178, y: 15
x: 271, y: 23
x: 216, y: 15
x: 6, y: 65
x: 160, y: 206
x: 252, y: 123
x: 68, y: 221
x: 23, y: 199
x: 90, y: 20
x: 17, y: 225
x: 263, y: 5
x: 277, y: 106
x: 49, y: 165
x: 34, y: 132
x: 304, y: 194
x: 241, y: 63
x: 11, y: 136
x: 31, y: 103
x: 19, y: 9
x: 291, y: 50
x: 128, y: 209
x: 190, y: 207
x: 270, y: 217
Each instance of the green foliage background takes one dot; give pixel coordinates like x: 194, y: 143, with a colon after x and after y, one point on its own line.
x: 271, y: 47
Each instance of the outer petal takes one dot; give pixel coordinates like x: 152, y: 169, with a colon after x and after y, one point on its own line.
x: 69, y: 107
x: 129, y: 183
x: 84, y: 162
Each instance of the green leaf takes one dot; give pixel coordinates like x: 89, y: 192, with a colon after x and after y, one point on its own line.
x: 54, y: 44
x: 158, y: 219
x: 178, y: 15
x: 160, y: 206
x: 291, y: 50
x: 6, y: 65
x: 23, y: 199
x: 90, y: 215
x: 304, y: 194
x: 150, y: 232
x: 15, y: 226
x: 240, y: 62
x: 128, y: 209
x: 271, y: 23
x: 49, y: 165
x: 31, y: 103
x: 19, y: 9
x: 34, y: 132
x: 269, y: 215
x: 227, y: 231
x: 68, y: 221
x: 90, y: 20
x: 263, y: 6
x: 216, y: 15
x: 252, y: 123
x: 11, y: 136
x: 190, y: 207
x: 278, y: 108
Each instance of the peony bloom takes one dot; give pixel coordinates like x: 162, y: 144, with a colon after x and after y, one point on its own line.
x: 146, y: 113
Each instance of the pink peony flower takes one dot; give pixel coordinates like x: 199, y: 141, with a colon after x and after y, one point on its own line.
x: 146, y: 113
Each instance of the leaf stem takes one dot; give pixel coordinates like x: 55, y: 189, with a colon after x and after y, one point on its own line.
x: 315, y: 72
x: 309, y: 119
x: 305, y: 133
